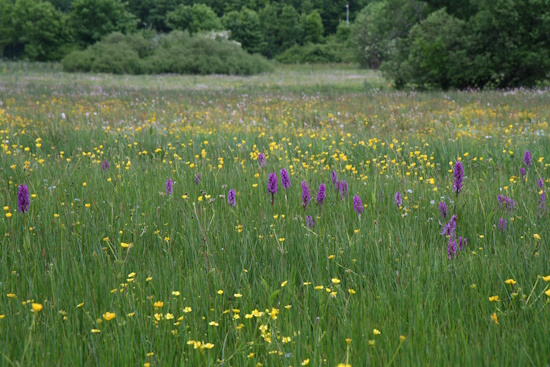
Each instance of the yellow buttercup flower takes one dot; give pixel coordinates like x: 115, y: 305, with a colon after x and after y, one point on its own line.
x: 510, y: 281
x: 494, y: 317
x: 493, y: 299
x: 37, y: 307
x: 109, y: 315
x: 536, y: 236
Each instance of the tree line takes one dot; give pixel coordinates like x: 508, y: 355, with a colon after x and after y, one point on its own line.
x: 47, y: 30
x: 422, y: 44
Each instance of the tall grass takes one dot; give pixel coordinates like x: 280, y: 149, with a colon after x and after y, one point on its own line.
x: 194, y: 281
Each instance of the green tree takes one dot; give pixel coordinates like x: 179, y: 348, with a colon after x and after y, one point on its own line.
x: 245, y: 28
x: 313, y: 28
x: 464, y: 9
x: 143, y: 11
x: 157, y: 13
x: 290, y: 29
x: 269, y: 26
x: 509, y: 43
x: 93, y: 19
x: 63, y: 5
x: 196, y: 18
x: 7, y: 36
x: 380, y: 29
x: 436, y: 55
x: 39, y: 28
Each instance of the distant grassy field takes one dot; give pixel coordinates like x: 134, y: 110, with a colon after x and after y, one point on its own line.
x: 131, y: 254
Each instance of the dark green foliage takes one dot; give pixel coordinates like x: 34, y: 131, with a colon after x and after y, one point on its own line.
x: 94, y: 19
x: 416, y: 43
x: 463, y: 9
x: 245, y: 28
x: 509, y: 43
x: 492, y: 43
x: 315, y: 53
x: 6, y: 25
x: 270, y: 29
x: 380, y: 28
x: 193, y: 19
x: 33, y: 28
x: 434, y: 57
x: 313, y: 28
x: 290, y: 28
x: 176, y: 52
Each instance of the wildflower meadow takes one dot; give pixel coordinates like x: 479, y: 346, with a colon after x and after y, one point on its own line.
x: 307, y: 217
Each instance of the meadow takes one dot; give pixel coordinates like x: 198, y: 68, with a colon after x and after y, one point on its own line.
x: 141, y: 225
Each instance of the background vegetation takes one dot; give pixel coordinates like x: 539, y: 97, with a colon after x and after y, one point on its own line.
x: 175, y: 52
x: 107, y: 268
x: 421, y: 44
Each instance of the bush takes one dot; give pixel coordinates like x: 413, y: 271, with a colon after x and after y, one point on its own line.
x: 317, y: 53
x: 504, y: 45
x: 431, y: 56
x: 176, y: 52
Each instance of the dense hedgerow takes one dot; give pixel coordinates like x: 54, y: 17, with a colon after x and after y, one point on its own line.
x: 176, y: 52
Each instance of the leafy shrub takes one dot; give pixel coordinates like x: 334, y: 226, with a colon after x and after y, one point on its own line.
x: 317, y: 53
x: 431, y: 56
x: 176, y: 52
x: 502, y: 45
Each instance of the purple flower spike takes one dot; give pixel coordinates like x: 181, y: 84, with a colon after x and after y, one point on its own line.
x: 506, y: 202
x: 285, y: 178
x: 321, y: 194
x: 197, y: 178
x: 357, y: 205
x: 461, y: 243
x: 527, y: 159
x: 450, y: 228
x: 540, y: 183
x: 261, y: 160
x: 169, y: 187
x: 23, y: 200
x: 459, y: 177
x: 306, y: 195
x: 105, y: 166
x: 272, y: 183
x: 451, y: 249
x: 309, y: 221
x: 334, y: 180
x: 443, y: 209
x: 343, y: 188
x: 232, y: 197
x: 398, y: 199
x: 272, y: 186
x: 502, y: 224
x: 542, y: 201
x: 522, y: 172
